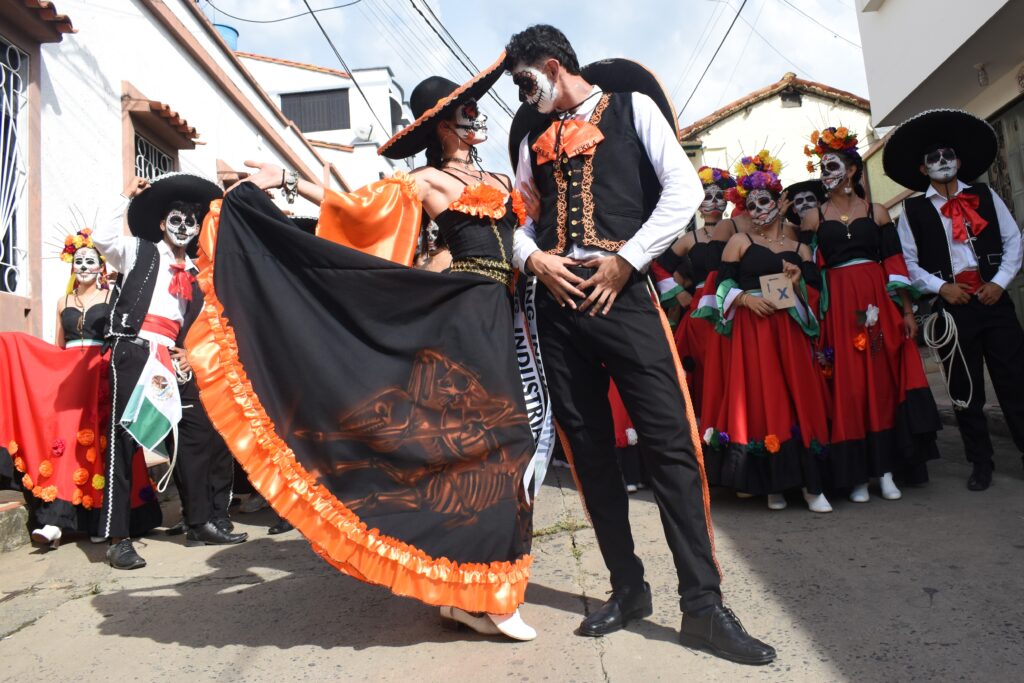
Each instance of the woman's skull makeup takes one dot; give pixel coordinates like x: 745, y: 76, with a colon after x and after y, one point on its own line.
x: 762, y: 207
x: 471, y: 123
x: 86, y: 265
x: 181, y: 227
x: 833, y: 170
x: 535, y: 88
x: 941, y: 164
x: 714, y: 200
x: 804, y: 202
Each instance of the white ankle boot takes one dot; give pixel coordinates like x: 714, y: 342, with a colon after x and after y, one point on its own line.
x: 47, y: 534
x: 776, y: 501
x: 817, y: 502
x: 860, y: 494
x: 511, y: 625
x: 889, y: 490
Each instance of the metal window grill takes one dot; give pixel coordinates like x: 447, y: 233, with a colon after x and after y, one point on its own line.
x: 151, y: 161
x: 13, y: 166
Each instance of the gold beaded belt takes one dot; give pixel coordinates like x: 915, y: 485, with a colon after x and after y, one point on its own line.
x: 499, y: 271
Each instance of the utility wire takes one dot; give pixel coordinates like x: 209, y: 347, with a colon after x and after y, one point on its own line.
x: 712, y: 60
x: 704, y: 34
x: 808, y: 16
x: 274, y: 21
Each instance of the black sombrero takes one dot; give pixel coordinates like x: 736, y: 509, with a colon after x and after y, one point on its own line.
x: 150, y: 207
x: 433, y: 100
x: 813, y: 185
x: 973, y: 139
x: 611, y: 75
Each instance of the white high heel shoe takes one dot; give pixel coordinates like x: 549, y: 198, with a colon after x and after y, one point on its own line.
x: 889, y: 490
x: 510, y: 625
x: 860, y: 494
x: 817, y: 502
x: 48, y: 534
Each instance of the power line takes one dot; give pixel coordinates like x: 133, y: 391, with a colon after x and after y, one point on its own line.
x: 712, y: 60
x: 705, y: 34
x: 774, y: 49
x: 274, y: 21
x: 808, y: 16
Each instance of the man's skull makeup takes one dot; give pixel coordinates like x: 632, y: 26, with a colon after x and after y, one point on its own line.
x: 804, y: 202
x: 941, y: 164
x: 535, y: 88
x: 86, y: 265
x: 181, y: 227
x: 762, y: 207
x: 833, y: 170
x: 714, y: 200
x: 471, y: 123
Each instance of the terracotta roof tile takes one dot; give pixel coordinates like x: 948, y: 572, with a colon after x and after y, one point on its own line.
x: 47, y: 11
x: 297, y: 65
x: 173, y: 119
x: 789, y: 81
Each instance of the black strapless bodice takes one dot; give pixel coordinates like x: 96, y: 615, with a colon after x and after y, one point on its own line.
x: 701, y: 258
x: 90, y: 328
x: 471, y: 236
x: 758, y: 260
x: 864, y: 242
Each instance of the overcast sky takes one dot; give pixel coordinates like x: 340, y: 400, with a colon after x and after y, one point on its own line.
x: 675, y: 38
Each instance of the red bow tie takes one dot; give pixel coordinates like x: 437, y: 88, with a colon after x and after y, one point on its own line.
x: 963, y: 211
x: 181, y: 282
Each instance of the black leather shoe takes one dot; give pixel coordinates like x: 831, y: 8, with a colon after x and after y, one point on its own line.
x: 720, y: 633
x: 282, y: 526
x: 981, y: 476
x: 625, y: 605
x: 178, y: 529
x: 224, y: 524
x: 122, y: 555
x: 209, y: 534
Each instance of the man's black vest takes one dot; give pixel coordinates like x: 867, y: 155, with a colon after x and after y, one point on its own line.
x: 134, y: 292
x: 930, y: 236
x: 598, y: 200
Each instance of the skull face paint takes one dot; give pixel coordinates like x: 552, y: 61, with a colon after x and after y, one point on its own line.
x: 941, y: 164
x: 471, y: 123
x: 181, y: 227
x: 714, y: 200
x: 762, y: 207
x: 87, y: 265
x: 535, y: 88
x: 804, y: 202
x: 833, y: 171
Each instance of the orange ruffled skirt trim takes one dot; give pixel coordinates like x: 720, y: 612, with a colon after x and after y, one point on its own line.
x: 334, y: 531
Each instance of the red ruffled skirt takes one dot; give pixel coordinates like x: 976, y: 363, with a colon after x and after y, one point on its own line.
x: 54, y: 419
x: 765, y: 424
x: 884, y: 417
x: 692, y: 338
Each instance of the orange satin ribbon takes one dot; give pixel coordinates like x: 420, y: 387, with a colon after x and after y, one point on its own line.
x: 578, y: 137
x: 962, y: 210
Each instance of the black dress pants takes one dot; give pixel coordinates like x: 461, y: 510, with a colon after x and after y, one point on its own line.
x: 580, y: 352
x: 205, y: 469
x: 991, y: 335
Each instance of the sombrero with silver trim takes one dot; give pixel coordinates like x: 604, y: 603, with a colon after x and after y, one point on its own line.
x: 147, y: 209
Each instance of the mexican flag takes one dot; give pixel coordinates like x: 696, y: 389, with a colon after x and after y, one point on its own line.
x: 154, y: 407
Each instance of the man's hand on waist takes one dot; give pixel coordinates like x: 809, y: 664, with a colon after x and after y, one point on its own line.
x: 612, y: 274
x: 553, y: 273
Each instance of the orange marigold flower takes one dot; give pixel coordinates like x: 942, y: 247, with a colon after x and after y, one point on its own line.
x: 19, y: 464
x: 86, y: 437
x: 842, y: 132
x: 12, y: 447
x: 103, y: 442
x: 814, y: 137
x: 46, y: 469
x: 772, y: 444
x: 860, y: 342
x: 27, y: 483
x: 76, y: 497
x: 808, y: 151
x: 810, y: 167
x: 80, y: 476
x: 481, y: 200
x: 87, y: 502
x: 49, y: 494
x: 37, y: 491
x: 90, y: 455
x: 98, y: 480
x: 828, y: 137
x: 836, y: 144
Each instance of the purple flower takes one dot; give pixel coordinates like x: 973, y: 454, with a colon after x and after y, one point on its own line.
x: 723, y: 438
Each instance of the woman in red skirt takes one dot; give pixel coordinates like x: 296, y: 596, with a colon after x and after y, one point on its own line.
x: 771, y: 431
x: 887, y: 418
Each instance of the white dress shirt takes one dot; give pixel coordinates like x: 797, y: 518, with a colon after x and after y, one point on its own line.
x: 681, y: 189
x: 961, y: 254
x: 121, y: 252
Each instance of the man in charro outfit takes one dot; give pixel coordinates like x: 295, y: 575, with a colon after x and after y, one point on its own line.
x: 963, y: 247
x: 615, y: 189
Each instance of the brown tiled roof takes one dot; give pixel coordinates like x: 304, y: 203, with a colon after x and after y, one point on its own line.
x: 53, y: 24
x: 331, y: 145
x: 789, y: 82
x: 297, y: 65
x: 173, y: 119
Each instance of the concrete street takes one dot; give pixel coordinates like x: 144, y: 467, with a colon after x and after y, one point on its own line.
x: 927, y: 588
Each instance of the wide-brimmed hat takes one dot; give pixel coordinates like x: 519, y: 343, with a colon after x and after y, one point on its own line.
x: 972, y: 138
x: 813, y: 185
x: 432, y: 101
x: 611, y: 75
x: 150, y: 207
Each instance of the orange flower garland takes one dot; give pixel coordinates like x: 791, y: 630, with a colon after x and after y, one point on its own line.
x: 45, y: 469
x: 80, y: 476
x: 19, y: 464
x: 27, y: 483
x: 772, y: 444
x: 481, y: 200
x: 90, y: 455
x: 86, y: 437
x: 49, y: 494
x: 87, y: 502
x: 76, y: 497
x: 12, y: 447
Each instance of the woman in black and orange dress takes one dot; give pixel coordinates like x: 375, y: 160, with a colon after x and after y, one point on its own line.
x: 886, y: 420
x: 770, y: 434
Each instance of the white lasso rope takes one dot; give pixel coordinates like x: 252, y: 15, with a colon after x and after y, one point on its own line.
x: 950, y: 337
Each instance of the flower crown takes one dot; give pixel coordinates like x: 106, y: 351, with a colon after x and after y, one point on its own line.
x: 72, y: 243
x: 715, y: 176
x: 831, y: 139
x: 759, y: 172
